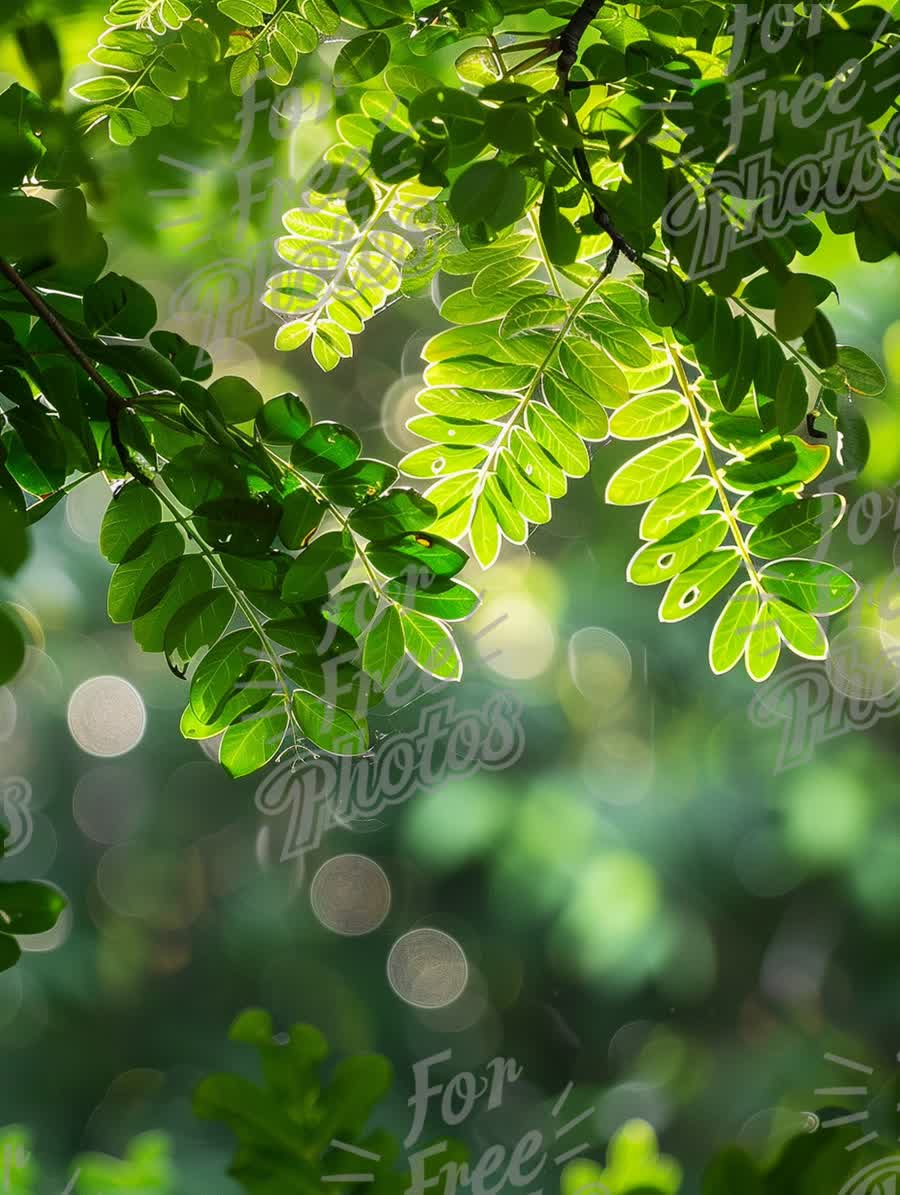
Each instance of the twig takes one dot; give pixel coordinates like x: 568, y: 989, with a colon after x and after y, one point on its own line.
x: 569, y: 41
x: 115, y: 403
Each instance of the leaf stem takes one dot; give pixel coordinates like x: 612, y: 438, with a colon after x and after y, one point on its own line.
x: 488, y: 464
x: 700, y: 428
x: 335, y: 513
x: 240, y: 601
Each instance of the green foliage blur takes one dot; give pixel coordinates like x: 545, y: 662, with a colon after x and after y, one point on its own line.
x: 653, y: 908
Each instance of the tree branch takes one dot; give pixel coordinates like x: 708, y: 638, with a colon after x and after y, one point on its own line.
x: 569, y: 41
x: 115, y: 403
x: 570, y: 38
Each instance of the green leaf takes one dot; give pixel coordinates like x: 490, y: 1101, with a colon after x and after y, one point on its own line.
x: 477, y: 373
x: 319, y: 568
x: 353, y: 608
x: 484, y: 532
x: 13, y: 538
x: 653, y: 414
x: 791, y: 398
x: 732, y: 630
x: 654, y: 471
x: 534, y: 311
x: 219, y: 670
x: 383, y: 647
x: 821, y: 342
x: 126, y: 125
x: 510, y: 520
x: 813, y: 585
x: 621, y: 341
x: 27, y: 907
x: 326, y: 448
x: 283, y: 420
x: 236, y: 399
x: 253, y: 690
x: 173, y: 587
x: 678, y: 504
x: 488, y: 192
x: 789, y: 463
x: 799, y: 630
x: 496, y: 278
x: 796, y: 308
x: 766, y: 292
x: 561, y: 444
x: 362, y: 480
x: 792, y: 529
x: 854, y: 440
x: 116, y: 305
x: 372, y: 14
x: 12, y: 646
x: 434, y: 554
x: 510, y: 127
x: 660, y: 561
x: 361, y: 58
x: 10, y: 952
x: 248, y: 745
x: 300, y: 517
x: 332, y: 729
x: 561, y: 239
x: 699, y: 584
x: 527, y: 498
x: 860, y: 372
x: 396, y: 513
x: 198, y: 624
x: 449, y: 600
x: 461, y: 403
x: 580, y: 410
x: 592, y: 370
x: 763, y: 646
x: 100, y: 89
x: 133, y: 576
x: 431, y: 646
x: 735, y: 384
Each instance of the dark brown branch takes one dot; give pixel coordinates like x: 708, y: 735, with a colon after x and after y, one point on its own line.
x: 569, y: 41
x: 115, y: 403
x: 570, y: 38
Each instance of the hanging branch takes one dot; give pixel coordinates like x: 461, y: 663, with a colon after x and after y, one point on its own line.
x: 569, y: 41
x: 115, y: 403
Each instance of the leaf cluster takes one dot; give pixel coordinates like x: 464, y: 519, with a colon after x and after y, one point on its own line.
x: 234, y: 523
x: 298, y: 1130
x: 563, y: 179
x: 26, y: 907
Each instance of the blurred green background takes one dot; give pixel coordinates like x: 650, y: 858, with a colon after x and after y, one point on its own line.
x: 649, y: 908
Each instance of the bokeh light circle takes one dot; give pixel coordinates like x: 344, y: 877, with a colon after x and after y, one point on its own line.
x: 109, y: 803
x: 427, y: 968
x: 521, y: 642
x: 860, y: 666
x: 8, y: 714
x: 350, y: 895
x: 85, y: 507
x: 107, y: 716
x: 600, y: 665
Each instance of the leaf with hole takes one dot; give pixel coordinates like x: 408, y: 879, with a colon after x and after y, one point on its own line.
x: 694, y: 588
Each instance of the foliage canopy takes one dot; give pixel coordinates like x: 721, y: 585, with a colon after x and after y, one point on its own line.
x: 572, y: 169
